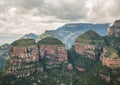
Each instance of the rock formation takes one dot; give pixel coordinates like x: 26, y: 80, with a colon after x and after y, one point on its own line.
x: 110, y: 58
x: 89, y: 44
x: 114, y: 30
x: 23, y: 55
x: 53, y: 50
x: 19, y: 52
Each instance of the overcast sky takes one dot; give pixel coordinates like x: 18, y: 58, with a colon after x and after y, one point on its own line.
x: 36, y: 16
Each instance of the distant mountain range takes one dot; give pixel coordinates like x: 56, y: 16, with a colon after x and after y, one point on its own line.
x: 29, y: 36
x: 69, y: 32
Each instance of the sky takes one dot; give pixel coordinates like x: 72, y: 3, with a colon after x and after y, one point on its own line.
x: 36, y: 16
x: 19, y: 17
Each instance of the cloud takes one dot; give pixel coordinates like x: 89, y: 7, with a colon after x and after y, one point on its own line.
x: 24, y: 16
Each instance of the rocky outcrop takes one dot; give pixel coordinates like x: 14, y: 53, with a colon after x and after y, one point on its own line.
x: 56, y: 53
x: 52, y: 50
x: 114, y: 30
x: 112, y: 63
x: 89, y: 44
x: 22, y: 51
x: 24, y: 56
x: 90, y: 51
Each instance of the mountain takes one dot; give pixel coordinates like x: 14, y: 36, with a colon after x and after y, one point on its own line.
x: 89, y: 44
x: 29, y: 36
x: 90, y: 37
x: 69, y: 32
x: 92, y: 60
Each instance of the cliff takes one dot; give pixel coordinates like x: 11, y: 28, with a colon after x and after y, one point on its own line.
x: 53, y: 50
x: 23, y: 57
x: 114, y: 30
x: 110, y: 58
x: 24, y: 50
x: 89, y: 44
x: 27, y: 57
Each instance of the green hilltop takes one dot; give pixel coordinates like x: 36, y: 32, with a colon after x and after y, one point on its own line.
x: 90, y: 37
x: 50, y: 41
x: 24, y: 43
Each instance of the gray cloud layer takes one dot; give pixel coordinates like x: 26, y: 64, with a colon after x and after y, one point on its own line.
x: 24, y: 16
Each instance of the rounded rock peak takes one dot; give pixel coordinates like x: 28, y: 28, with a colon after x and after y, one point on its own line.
x: 50, y: 41
x: 24, y: 43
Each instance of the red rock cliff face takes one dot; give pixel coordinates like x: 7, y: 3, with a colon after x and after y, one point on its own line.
x: 18, y: 62
x: 24, y: 54
x: 110, y: 62
x: 53, y: 52
x: 114, y: 30
x: 91, y: 51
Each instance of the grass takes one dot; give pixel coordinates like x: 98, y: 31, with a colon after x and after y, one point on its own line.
x: 90, y: 37
x: 24, y: 43
x: 50, y: 41
x: 111, y: 53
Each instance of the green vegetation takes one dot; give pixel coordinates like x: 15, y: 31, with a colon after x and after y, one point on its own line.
x: 113, y: 44
x: 61, y: 75
x: 90, y: 37
x: 50, y: 41
x: 111, y: 53
x: 24, y: 43
x: 80, y: 60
